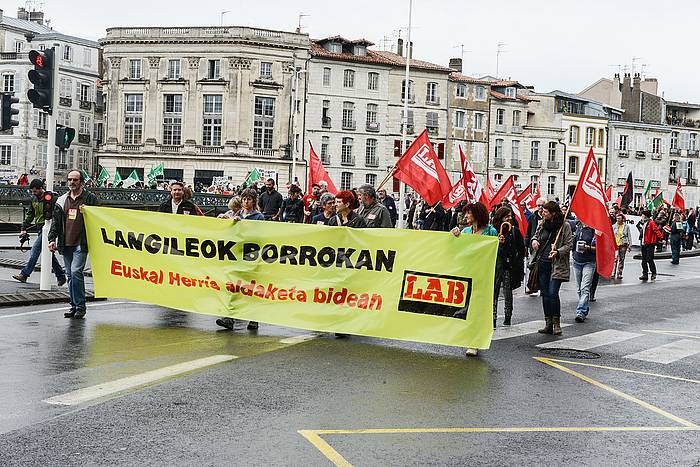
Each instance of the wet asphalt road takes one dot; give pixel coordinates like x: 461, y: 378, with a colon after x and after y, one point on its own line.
x: 423, y: 404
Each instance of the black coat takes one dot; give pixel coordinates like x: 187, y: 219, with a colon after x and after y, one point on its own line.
x: 510, y: 255
x: 185, y: 207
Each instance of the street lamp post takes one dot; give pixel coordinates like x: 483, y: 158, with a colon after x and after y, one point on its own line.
x: 563, y: 180
x: 297, y: 73
x: 404, y: 119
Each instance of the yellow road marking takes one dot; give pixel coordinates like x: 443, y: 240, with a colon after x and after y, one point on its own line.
x: 526, y: 429
x: 675, y: 333
x: 625, y: 370
x: 325, y: 448
x: 625, y: 396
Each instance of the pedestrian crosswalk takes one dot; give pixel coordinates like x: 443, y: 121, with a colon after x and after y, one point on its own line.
x: 662, y: 352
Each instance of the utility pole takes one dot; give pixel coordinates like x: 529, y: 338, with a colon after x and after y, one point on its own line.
x: 301, y: 15
x: 295, y: 80
x: 499, y: 51
x: 223, y: 12
x: 404, y: 119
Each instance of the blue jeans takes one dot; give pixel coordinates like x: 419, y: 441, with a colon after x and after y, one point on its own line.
x: 584, y: 277
x: 75, y: 260
x: 549, y: 289
x: 675, y: 248
x: 34, y: 257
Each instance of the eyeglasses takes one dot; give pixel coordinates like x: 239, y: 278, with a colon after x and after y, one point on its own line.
x: 73, y: 179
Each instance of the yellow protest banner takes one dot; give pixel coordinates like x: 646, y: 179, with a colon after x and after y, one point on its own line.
x: 388, y: 283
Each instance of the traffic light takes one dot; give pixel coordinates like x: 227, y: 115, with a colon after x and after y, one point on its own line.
x: 48, y: 199
x: 6, y: 121
x: 64, y: 136
x: 42, y: 79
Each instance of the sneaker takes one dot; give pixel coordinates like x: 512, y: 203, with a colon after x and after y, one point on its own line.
x: 226, y: 323
x: 643, y: 278
x: 580, y: 318
x: 79, y: 314
x: 339, y: 335
x: 252, y: 325
x: 653, y: 277
x: 472, y: 352
x: 69, y: 314
x: 20, y: 277
x: 60, y: 281
x: 591, y: 299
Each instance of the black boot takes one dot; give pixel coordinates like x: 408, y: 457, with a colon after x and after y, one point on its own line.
x: 506, y: 320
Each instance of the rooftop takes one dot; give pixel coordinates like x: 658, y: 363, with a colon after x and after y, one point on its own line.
x: 24, y: 25
x: 686, y: 105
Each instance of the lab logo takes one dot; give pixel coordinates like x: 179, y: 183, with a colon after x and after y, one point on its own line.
x: 434, y: 294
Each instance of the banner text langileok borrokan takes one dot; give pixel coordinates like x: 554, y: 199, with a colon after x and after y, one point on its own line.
x: 388, y: 283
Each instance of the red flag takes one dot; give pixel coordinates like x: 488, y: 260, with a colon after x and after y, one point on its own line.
x: 536, y: 196
x: 588, y: 203
x: 489, y: 191
x: 608, y: 193
x: 678, y: 198
x: 318, y: 173
x: 420, y: 168
x: 455, y: 195
x: 526, y: 196
x: 507, y: 191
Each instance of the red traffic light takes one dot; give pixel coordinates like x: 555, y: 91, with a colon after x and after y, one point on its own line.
x: 37, y: 58
x: 48, y: 197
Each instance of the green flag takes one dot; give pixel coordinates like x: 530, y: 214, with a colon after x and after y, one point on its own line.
x: 102, y: 178
x: 657, y: 201
x: 253, y: 176
x: 131, y: 180
x: 117, y: 179
x: 86, y: 176
x: 155, y: 172
x: 647, y: 195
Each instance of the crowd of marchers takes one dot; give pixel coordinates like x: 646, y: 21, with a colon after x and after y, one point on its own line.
x: 540, y: 259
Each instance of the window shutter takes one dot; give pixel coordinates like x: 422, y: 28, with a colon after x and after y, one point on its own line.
x: 397, y: 148
x: 396, y: 185
x: 441, y: 151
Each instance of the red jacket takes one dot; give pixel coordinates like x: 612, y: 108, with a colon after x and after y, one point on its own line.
x: 652, y: 234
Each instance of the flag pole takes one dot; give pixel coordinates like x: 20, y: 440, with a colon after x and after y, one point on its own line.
x: 388, y: 176
x: 404, y: 119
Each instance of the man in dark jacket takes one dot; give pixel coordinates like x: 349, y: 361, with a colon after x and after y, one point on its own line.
x: 532, y: 222
x: 584, y: 266
x: 374, y: 213
x: 390, y: 205
x: 177, y: 204
x: 35, y: 214
x: 67, y: 235
x: 270, y: 201
x: 292, y: 209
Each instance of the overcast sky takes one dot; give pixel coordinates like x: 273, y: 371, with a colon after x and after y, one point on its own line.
x: 550, y: 44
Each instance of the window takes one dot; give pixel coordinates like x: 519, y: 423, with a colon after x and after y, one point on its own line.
x: 371, y: 159
x: 515, y: 150
x: 41, y: 155
x: 478, y: 121
x: 348, y: 115
x: 590, y: 136
x: 326, y: 76
x: 371, y: 179
x: 459, y: 119
x: 345, y: 180
x: 63, y: 118
x: 622, y: 142
x: 5, y: 154
x: 263, y: 127
x: 510, y: 92
x: 573, y: 135
x: 65, y: 86
x: 67, y: 53
x: 172, y: 119
x: 461, y: 90
x: 516, y: 118
x: 601, y: 137
x: 499, y: 148
x: 85, y: 125
x: 498, y: 178
x: 334, y: 47
x: 409, y: 119
x: 348, y: 79
x: 373, y: 81
x: 411, y: 96
x: 573, y: 165
x: 212, y: 119
x: 40, y: 119
x: 551, y: 184
x: 325, y: 157
x: 535, y: 151
x: 214, y: 69
x: 19, y: 45
x: 552, y: 151
x: 266, y: 69
x: 656, y: 145
x: 431, y: 121
x: 346, y: 152
x: 601, y: 168
x: 533, y: 183
x: 480, y: 93
x: 372, y: 110
x: 674, y: 140
x: 8, y: 82
x: 673, y: 170
x: 325, y: 114
x: 689, y: 174
x: 500, y: 116
x: 84, y: 93
x: 360, y: 50
x: 87, y: 57
x: 431, y: 94
x: 173, y: 69
x: 133, y: 119
x: 135, y: 69
x: 693, y: 142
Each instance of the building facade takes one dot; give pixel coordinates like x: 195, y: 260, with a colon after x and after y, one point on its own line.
x: 23, y: 148
x: 469, y: 119
x: 683, y: 120
x: 204, y: 101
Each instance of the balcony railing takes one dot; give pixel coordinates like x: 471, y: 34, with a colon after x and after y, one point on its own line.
x: 622, y: 153
x: 433, y: 101
x: 347, y: 160
x: 640, y: 154
x: 325, y: 159
x: 675, y: 151
x: 432, y: 130
x: 499, y: 162
x: 621, y: 181
x: 410, y: 128
x: 693, y: 181
x: 692, y: 153
x: 86, y: 105
x: 65, y: 101
x: 14, y: 56
x: 41, y: 133
x: 553, y: 165
x: 349, y: 125
x: 656, y: 156
x: 325, y: 122
x: 372, y: 161
x: 373, y: 126
x: 500, y: 128
x: 535, y: 164
x: 517, y: 129
x: 169, y: 149
x: 515, y: 163
x: 209, y: 149
x: 260, y: 152
x: 83, y: 139
x: 671, y: 179
x: 130, y: 147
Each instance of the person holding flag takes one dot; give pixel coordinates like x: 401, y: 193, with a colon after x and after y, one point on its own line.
x: 677, y: 233
x: 649, y: 235
x: 102, y: 178
x: 623, y: 240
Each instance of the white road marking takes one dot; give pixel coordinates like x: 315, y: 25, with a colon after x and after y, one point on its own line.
x: 64, y: 308
x: 589, y: 341
x: 668, y: 353
x: 517, y: 330
x: 300, y: 338
x: 108, y: 388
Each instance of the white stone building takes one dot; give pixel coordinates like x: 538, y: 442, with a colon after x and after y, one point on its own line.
x: 683, y: 120
x: 204, y: 101
x: 23, y: 148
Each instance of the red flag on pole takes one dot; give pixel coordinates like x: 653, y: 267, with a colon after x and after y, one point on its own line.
x: 537, y: 195
x: 420, y: 168
x: 489, y: 191
x: 527, y: 196
x: 507, y: 191
x: 455, y: 195
x: 588, y: 203
x: 678, y: 198
x: 318, y: 173
x: 608, y: 193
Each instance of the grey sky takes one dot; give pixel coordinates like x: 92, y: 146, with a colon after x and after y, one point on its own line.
x: 550, y: 44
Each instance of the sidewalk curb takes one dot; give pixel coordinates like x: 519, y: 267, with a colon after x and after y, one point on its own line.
x: 39, y: 297
x: 17, y: 264
x: 665, y: 254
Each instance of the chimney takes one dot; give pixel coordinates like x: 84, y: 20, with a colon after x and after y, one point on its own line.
x: 650, y: 85
x: 22, y: 14
x: 0, y: 14
x: 456, y: 64
x: 636, y: 81
x: 399, y: 47
x: 627, y: 81
x: 37, y: 17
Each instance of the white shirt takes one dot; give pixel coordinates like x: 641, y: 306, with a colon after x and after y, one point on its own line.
x: 174, y: 206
